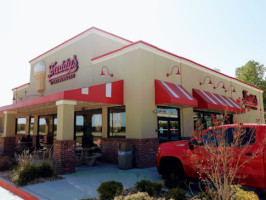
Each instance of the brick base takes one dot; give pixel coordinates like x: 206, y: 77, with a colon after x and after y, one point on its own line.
x: 144, y: 151
x: 7, y: 146
x: 64, y: 156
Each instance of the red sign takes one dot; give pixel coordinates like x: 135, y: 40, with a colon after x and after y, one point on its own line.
x: 64, y: 71
x: 250, y: 100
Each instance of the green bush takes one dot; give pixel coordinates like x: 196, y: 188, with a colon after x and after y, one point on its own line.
x: 46, y: 169
x: 205, y: 196
x: 176, y: 194
x: 7, y: 163
x: 25, y: 173
x: 110, y: 189
x: 28, y: 171
x: 151, y: 188
x: 240, y: 194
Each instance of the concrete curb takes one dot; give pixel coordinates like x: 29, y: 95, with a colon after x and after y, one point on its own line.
x: 15, y: 190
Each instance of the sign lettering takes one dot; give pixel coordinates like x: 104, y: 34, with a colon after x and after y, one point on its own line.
x: 250, y: 100
x: 64, y: 71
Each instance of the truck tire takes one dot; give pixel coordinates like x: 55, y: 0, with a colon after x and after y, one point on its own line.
x: 173, y: 176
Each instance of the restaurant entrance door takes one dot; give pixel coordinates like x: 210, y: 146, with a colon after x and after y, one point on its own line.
x: 168, y: 129
x: 168, y: 124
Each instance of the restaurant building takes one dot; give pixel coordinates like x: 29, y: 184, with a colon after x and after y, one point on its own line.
x: 103, y: 89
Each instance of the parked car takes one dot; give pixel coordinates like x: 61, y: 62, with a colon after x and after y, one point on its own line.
x: 174, y: 163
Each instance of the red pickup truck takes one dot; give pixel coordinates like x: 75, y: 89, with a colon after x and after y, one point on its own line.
x: 175, y: 166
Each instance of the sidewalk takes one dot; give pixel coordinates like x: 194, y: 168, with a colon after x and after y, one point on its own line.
x: 85, y: 181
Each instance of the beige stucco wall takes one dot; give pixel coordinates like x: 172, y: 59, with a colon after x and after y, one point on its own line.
x: 138, y: 68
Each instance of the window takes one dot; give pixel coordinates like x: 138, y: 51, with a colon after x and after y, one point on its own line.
x: 117, y: 122
x: 45, y: 130
x: 247, y: 136
x: 168, y: 124
x: 21, y: 126
x: 88, y: 127
x: 206, y: 119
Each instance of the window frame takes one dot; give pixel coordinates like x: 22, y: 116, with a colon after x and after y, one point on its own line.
x: 108, y: 123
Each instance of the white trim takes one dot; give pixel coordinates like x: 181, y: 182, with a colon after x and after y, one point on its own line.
x: 217, y: 98
x: 233, y: 102
x: 208, y: 97
x: 171, y: 57
x: 170, y: 90
x: 66, y: 102
x: 226, y: 101
x: 184, y: 92
x: 108, y: 90
x: 85, y: 91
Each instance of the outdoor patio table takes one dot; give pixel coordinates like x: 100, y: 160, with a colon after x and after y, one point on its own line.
x: 85, y: 156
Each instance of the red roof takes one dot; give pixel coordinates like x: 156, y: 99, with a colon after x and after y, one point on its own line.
x: 109, y: 93
x: 169, y: 93
x: 214, y: 101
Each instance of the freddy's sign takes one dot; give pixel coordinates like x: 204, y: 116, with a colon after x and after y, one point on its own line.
x: 250, y: 100
x: 64, y: 71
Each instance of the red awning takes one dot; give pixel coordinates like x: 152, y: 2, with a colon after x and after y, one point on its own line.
x: 210, y: 100
x: 169, y: 93
x: 109, y: 93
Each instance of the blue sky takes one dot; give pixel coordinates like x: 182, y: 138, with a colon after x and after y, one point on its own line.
x: 218, y: 34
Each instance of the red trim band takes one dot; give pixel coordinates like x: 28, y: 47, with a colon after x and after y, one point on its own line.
x: 20, y: 86
x: 15, y: 190
x: 142, y: 42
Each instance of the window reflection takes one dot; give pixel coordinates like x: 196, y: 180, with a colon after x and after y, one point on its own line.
x: 21, y: 126
x: 88, y: 127
x: 117, y: 122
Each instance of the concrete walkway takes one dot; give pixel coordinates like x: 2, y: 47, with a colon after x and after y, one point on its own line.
x: 86, y: 180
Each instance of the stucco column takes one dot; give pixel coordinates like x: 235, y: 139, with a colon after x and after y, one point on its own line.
x: 35, y: 131
x: 7, y: 140
x: 104, y: 122
x: 64, y: 145
x: 187, y: 123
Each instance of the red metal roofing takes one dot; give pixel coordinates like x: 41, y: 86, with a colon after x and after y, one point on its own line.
x: 109, y: 93
x: 209, y: 100
x: 169, y: 93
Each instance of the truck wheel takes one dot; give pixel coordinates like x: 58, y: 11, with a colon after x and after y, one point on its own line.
x: 173, y: 177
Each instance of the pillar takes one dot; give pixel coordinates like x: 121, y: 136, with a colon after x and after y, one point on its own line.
x: 35, y: 131
x: 7, y: 140
x: 64, y: 145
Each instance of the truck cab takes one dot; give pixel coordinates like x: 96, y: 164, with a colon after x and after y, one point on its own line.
x: 175, y: 165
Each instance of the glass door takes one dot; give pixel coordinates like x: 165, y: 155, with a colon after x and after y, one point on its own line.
x: 168, y: 129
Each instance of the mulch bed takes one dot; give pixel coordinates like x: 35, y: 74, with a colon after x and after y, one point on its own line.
x: 7, y: 175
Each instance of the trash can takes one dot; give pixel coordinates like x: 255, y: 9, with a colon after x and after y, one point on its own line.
x: 125, y: 155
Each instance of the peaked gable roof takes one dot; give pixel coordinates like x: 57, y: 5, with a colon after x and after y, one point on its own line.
x: 84, y: 33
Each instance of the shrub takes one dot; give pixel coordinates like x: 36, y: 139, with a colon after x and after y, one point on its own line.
x: 204, y: 196
x: 176, y: 194
x: 7, y: 163
x: 25, y: 173
x: 46, y: 169
x: 151, y: 188
x: 137, y: 196
x: 240, y: 194
x: 110, y: 189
